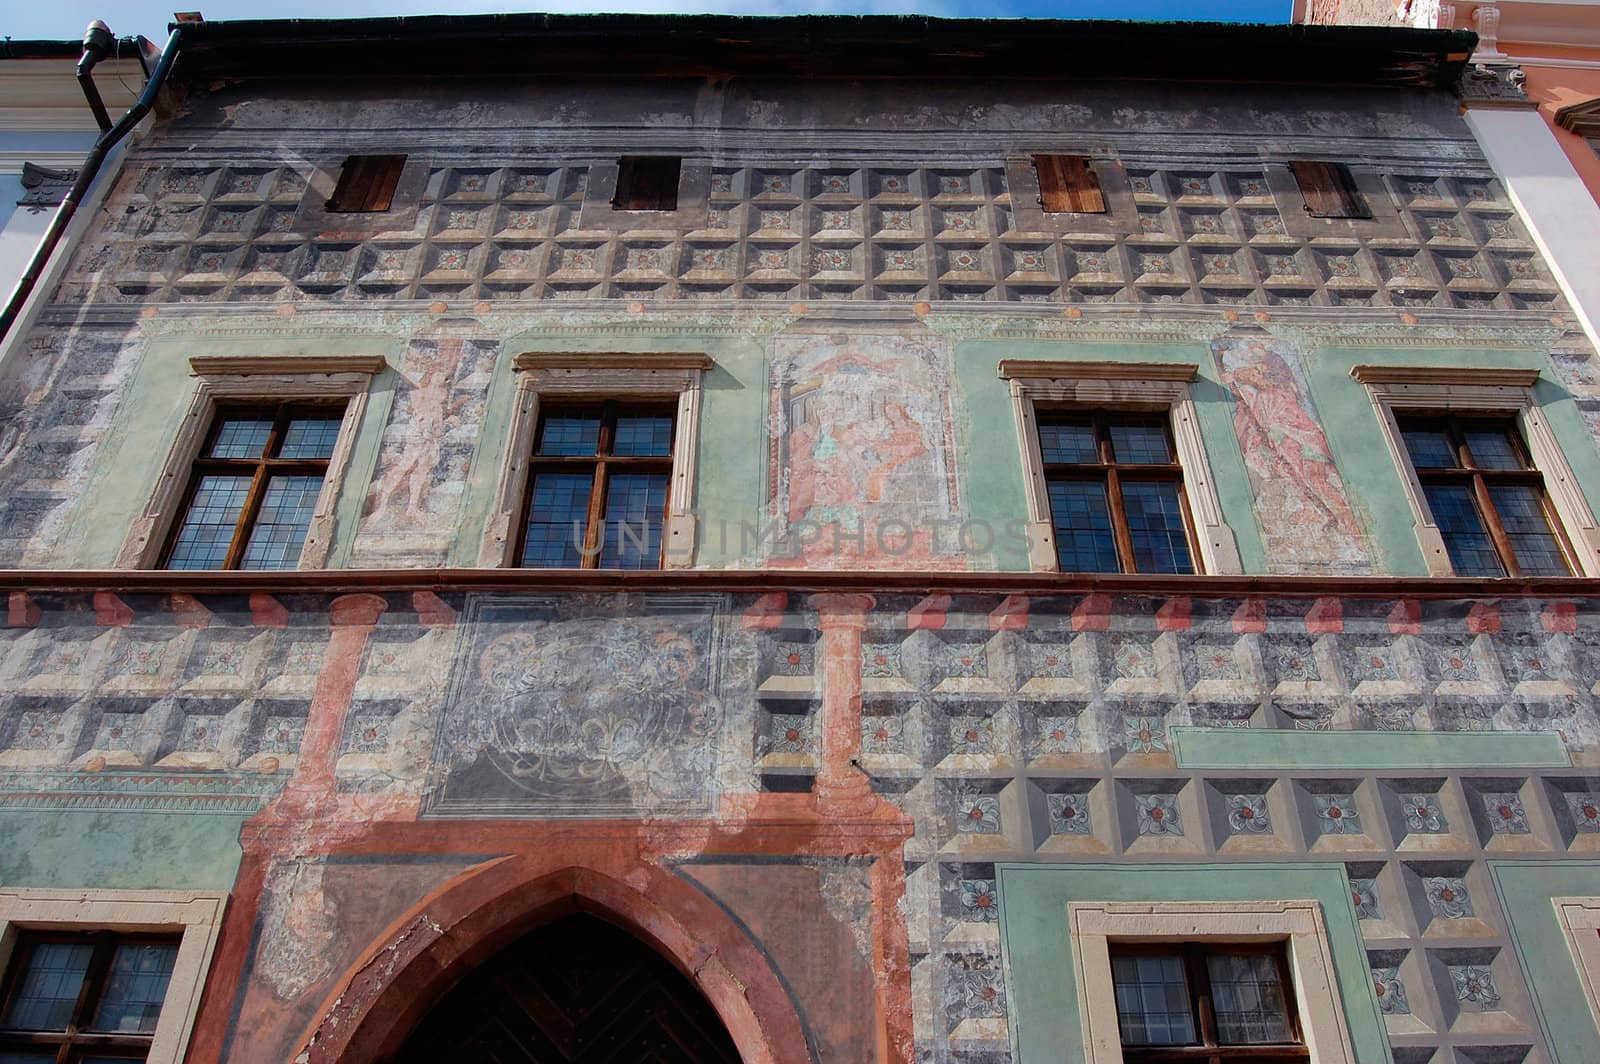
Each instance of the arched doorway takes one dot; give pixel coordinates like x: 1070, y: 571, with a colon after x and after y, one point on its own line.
x: 577, y: 990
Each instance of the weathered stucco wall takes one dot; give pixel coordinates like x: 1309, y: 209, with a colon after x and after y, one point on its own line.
x: 812, y: 804
x: 384, y: 752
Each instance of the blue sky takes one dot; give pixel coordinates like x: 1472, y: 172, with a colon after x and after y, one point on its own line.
x: 65, y: 19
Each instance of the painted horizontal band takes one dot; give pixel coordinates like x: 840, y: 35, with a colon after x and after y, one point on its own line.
x: 1243, y: 748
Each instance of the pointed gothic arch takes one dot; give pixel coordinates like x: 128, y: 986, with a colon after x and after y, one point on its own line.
x: 382, y: 999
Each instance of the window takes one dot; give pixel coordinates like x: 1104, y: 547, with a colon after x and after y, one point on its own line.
x: 647, y: 183
x: 1490, y: 491
x: 600, y: 478
x: 1117, y: 474
x: 1210, y: 1002
x: 600, y: 463
x: 94, y: 976
x: 1485, y: 496
x: 83, y: 997
x: 1116, y: 493
x: 1329, y: 191
x: 255, y: 486
x: 229, y: 497
x: 366, y: 184
x: 1209, y: 982
x: 1067, y: 184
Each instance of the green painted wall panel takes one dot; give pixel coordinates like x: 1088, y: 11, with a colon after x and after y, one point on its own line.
x: 116, y: 849
x: 1255, y: 748
x: 1355, y: 437
x: 141, y: 434
x: 1042, y: 995
x: 991, y: 461
x: 1526, y: 888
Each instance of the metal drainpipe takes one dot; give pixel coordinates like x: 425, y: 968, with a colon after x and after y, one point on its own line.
x: 86, y: 175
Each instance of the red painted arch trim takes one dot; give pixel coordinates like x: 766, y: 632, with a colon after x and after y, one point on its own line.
x: 384, y: 996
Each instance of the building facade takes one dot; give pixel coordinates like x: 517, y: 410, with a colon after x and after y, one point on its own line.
x: 822, y: 543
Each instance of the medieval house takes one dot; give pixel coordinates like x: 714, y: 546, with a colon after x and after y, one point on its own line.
x: 610, y: 538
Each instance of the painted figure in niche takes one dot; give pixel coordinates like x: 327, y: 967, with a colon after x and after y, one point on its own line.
x: 1301, y: 497
x: 427, y: 408
x: 861, y: 441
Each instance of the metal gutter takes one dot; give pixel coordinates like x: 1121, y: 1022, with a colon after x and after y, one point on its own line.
x: 86, y: 175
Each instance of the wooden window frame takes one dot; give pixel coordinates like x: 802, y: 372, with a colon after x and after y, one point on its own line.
x: 1481, y: 479
x: 367, y: 184
x: 568, y: 378
x: 1397, y: 391
x: 76, y: 1039
x: 1161, y: 389
x: 1098, y: 927
x: 261, y: 469
x: 227, y: 380
x: 600, y: 465
x: 194, y: 917
x: 1112, y: 472
x: 1198, y: 977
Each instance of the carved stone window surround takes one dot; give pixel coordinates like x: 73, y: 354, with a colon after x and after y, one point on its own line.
x: 1148, y: 386
x: 1095, y: 925
x: 1485, y: 391
x: 226, y: 379
x: 600, y: 376
x: 197, y: 915
x: 1580, y: 925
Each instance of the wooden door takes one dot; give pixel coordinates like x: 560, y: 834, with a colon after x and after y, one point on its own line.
x: 575, y: 991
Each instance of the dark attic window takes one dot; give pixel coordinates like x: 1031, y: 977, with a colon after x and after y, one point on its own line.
x: 1068, y: 185
x: 1329, y: 190
x: 366, y: 184
x: 647, y: 183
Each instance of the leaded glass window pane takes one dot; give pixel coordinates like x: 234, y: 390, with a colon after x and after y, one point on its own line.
x: 570, y: 433
x: 135, y: 987
x: 281, y: 526
x: 1430, y: 448
x: 1067, y: 443
x: 1155, y: 524
x: 1085, y: 542
x: 643, y: 437
x: 1492, y: 449
x: 1522, y: 516
x: 49, y: 986
x: 558, y: 513
x: 1466, y: 539
x: 310, y: 437
x: 207, y: 530
x: 1152, y: 1000
x: 241, y: 438
x: 1247, y: 997
x: 1140, y: 444
x: 635, y: 506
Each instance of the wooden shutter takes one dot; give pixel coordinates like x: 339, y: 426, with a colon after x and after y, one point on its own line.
x: 367, y: 183
x: 647, y: 183
x: 1328, y: 190
x: 1068, y: 185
